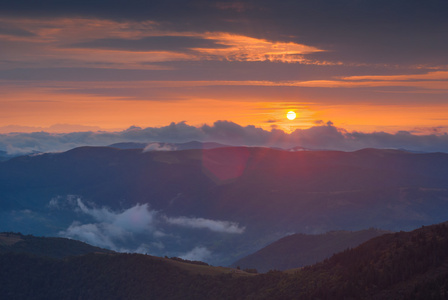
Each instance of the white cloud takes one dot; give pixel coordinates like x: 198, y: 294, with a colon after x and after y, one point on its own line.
x: 201, y: 223
x: 97, y: 234
x: 111, y: 227
x: 123, y: 230
x: 134, y: 219
x: 159, y: 147
x: 197, y: 253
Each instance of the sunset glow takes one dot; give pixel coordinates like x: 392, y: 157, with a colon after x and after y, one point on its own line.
x: 235, y: 62
x: 291, y: 115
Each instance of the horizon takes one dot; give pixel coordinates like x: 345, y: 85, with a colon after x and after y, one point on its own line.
x: 321, y: 136
x: 203, y: 132
x: 370, y: 67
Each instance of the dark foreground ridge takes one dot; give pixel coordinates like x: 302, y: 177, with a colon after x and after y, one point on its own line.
x: 299, y: 250
x: 403, y: 265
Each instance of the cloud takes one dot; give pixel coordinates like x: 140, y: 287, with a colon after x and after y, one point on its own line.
x: 159, y: 147
x: 407, y: 31
x: 60, y: 203
x: 197, y: 253
x: 6, y: 29
x: 136, y: 229
x: 321, y: 136
x: 111, y: 228
x: 201, y: 223
x: 436, y: 75
x: 153, y: 43
x: 100, y: 234
x: 135, y: 219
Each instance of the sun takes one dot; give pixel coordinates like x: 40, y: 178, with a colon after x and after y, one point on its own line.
x: 291, y: 115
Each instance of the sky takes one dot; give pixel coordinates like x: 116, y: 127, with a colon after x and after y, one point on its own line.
x: 354, y: 67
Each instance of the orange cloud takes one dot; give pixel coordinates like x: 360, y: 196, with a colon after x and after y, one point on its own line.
x: 243, y: 48
x: 431, y: 81
x: 440, y: 85
x: 439, y: 75
x: 52, y: 38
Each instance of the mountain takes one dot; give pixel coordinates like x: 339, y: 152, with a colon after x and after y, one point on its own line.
x: 299, y: 148
x: 3, y: 155
x: 129, y: 145
x: 299, y: 250
x: 403, y: 265
x: 107, y: 276
x: 161, y: 146
x: 221, y: 204
x: 44, y: 246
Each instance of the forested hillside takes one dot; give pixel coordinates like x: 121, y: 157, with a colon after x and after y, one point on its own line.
x: 45, y: 246
x: 300, y: 250
x: 404, y: 265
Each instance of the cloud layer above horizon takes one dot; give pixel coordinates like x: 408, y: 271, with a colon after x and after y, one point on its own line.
x: 363, y: 64
x: 322, y: 136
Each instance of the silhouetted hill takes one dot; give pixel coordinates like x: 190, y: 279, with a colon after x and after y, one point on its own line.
x: 403, y: 265
x: 128, y: 145
x: 161, y: 146
x: 300, y: 250
x: 45, y: 246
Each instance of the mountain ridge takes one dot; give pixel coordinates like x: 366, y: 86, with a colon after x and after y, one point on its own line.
x: 191, y: 198
x: 299, y: 250
x: 402, y: 265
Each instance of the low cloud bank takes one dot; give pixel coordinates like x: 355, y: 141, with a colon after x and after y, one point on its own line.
x: 159, y: 147
x: 110, y: 228
x: 117, y: 230
x: 217, y: 226
x: 321, y: 136
x: 197, y: 253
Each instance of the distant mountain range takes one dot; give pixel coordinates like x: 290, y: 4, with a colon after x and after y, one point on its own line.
x: 299, y: 250
x: 150, y: 146
x: 221, y: 204
x: 160, y: 146
x: 404, y: 265
x: 5, y: 155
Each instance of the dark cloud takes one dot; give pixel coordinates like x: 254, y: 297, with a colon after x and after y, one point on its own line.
x: 366, y: 31
x: 6, y: 29
x: 400, y: 31
x: 322, y: 136
x: 205, y: 70
x: 201, y: 70
x: 80, y: 74
x: 153, y: 43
